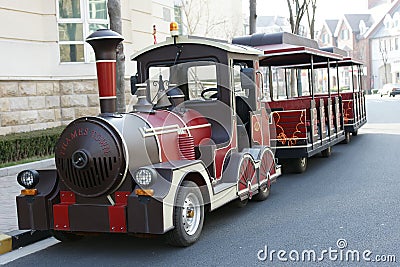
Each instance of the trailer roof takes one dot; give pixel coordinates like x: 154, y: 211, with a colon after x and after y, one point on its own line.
x: 335, y: 50
x: 221, y: 44
x: 345, y: 62
x: 286, y: 49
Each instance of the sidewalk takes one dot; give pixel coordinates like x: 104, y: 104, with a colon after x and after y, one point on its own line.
x: 9, y: 189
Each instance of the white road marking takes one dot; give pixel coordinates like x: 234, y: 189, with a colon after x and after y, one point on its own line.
x: 24, y: 251
x: 385, y: 128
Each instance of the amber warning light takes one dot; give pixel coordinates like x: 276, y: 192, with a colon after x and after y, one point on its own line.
x: 174, y: 29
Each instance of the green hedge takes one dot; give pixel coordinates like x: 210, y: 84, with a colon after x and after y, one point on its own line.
x: 15, y: 147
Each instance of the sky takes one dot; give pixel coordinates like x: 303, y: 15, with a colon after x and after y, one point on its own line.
x: 326, y: 9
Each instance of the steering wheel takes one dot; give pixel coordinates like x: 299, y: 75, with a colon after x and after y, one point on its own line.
x: 205, y: 91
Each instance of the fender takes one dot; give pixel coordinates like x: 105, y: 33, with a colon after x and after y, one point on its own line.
x: 171, y: 175
x: 34, y: 212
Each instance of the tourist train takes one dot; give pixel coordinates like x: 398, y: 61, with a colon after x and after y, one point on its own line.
x: 207, y: 128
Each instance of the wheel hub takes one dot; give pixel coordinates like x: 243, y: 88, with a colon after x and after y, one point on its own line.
x: 191, y: 214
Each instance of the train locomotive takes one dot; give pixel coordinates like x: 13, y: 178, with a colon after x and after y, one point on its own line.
x: 198, y: 137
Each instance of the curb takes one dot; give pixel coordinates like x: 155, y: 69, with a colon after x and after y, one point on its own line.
x: 12, y: 170
x: 20, y: 238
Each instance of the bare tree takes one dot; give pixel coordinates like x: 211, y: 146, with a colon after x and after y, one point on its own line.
x: 253, y: 16
x: 197, y: 17
x: 311, y: 16
x: 384, y: 54
x: 297, y: 9
x: 114, y: 12
x: 191, y: 17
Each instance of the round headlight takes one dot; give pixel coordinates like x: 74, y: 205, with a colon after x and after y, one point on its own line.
x: 145, y: 177
x: 28, y: 178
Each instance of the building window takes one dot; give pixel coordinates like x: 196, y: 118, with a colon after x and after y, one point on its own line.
x: 166, y: 14
x: 388, y: 21
x: 178, y: 18
x: 396, y: 20
x: 77, y: 19
x: 396, y: 44
x: 344, y: 34
x: 325, y: 38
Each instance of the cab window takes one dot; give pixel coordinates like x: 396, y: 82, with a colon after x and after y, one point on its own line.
x: 202, y: 82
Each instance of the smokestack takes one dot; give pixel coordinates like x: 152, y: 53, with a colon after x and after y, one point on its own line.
x: 104, y: 43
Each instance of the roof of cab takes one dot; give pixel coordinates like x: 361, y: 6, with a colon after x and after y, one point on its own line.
x: 223, y: 45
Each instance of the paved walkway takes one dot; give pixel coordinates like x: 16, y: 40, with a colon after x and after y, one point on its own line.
x: 9, y: 189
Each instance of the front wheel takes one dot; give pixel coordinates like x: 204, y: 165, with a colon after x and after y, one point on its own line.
x: 188, y: 216
x: 355, y: 133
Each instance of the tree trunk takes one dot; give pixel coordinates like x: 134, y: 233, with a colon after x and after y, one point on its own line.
x: 253, y: 16
x: 311, y: 17
x: 114, y: 11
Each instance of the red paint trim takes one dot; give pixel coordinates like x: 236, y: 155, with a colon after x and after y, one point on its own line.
x: 266, y: 134
x: 302, y: 49
x: 121, y: 197
x: 67, y: 197
x: 106, y: 75
x: 61, y: 217
x: 117, y: 219
x: 256, y: 128
x: 169, y: 141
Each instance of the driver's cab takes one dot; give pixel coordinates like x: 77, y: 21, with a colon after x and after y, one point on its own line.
x: 215, y: 79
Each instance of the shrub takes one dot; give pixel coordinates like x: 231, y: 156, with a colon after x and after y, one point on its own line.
x: 18, y: 146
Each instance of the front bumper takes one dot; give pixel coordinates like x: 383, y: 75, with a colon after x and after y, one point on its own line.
x: 139, y: 214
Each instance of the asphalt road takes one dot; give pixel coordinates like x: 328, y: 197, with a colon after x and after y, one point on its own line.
x: 348, y: 202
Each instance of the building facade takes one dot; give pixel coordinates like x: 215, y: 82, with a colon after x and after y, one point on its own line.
x: 48, y: 75
x: 384, y: 42
x: 326, y: 36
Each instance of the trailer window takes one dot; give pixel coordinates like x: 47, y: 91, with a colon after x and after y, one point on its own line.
x: 202, y: 82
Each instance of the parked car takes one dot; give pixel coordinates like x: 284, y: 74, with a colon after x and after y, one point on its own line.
x: 390, y: 89
x: 396, y: 90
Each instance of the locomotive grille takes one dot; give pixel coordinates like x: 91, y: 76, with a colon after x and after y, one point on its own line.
x: 95, y: 176
x: 89, y: 157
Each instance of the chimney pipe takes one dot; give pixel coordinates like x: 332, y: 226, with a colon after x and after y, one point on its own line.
x: 104, y: 43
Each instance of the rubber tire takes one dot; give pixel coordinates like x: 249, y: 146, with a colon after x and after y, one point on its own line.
x: 285, y: 165
x: 66, y: 236
x: 355, y: 133
x: 326, y: 153
x: 240, y: 203
x: 263, y: 194
x: 178, y: 237
x: 298, y: 165
x: 347, y: 138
